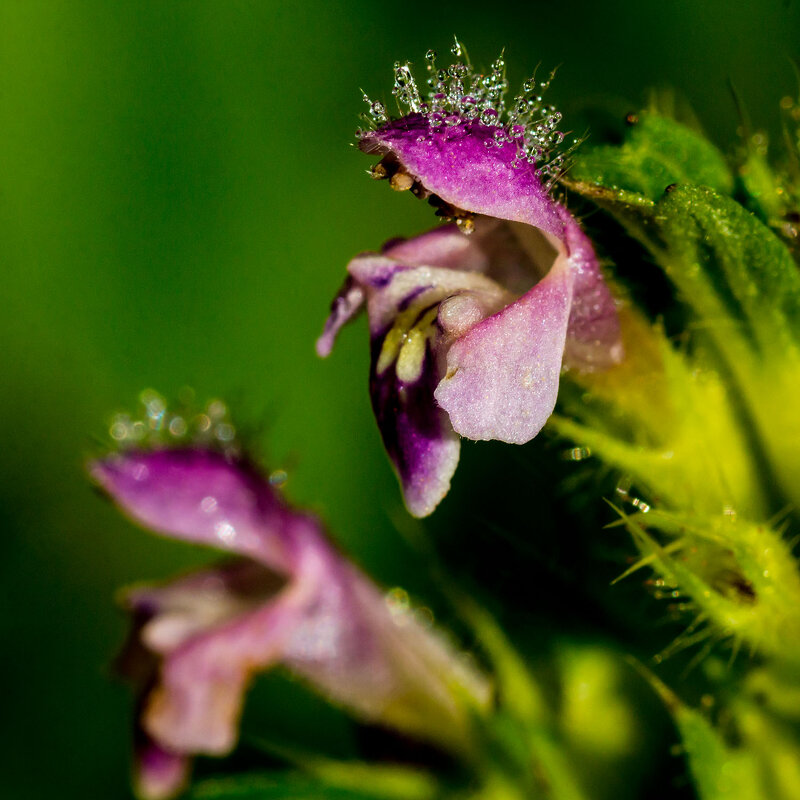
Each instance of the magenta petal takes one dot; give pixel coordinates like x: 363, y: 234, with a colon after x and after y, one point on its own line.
x: 383, y: 666
x: 196, y: 707
x: 593, y: 337
x: 197, y: 642
x: 442, y: 247
x: 413, y: 311
x: 197, y: 495
x: 417, y: 435
x: 455, y: 163
x: 502, y: 376
x: 347, y: 303
x: 159, y: 773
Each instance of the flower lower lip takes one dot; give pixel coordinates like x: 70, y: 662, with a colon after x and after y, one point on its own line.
x: 389, y: 168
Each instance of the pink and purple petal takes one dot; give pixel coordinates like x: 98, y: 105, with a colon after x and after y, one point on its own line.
x: 385, y: 667
x: 197, y: 642
x: 329, y: 625
x: 413, y: 313
x: 196, y: 706
x: 515, y: 301
x: 159, y: 773
x: 594, y: 340
x: 198, y: 495
x: 346, y: 305
x: 463, y: 166
x: 502, y: 376
x: 417, y: 435
x: 455, y: 163
x: 173, y: 613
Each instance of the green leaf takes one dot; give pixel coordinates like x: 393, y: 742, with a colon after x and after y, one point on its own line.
x: 747, y: 755
x: 634, y: 211
x: 719, y: 772
x: 657, y: 153
x: 724, y: 260
x: 292, y: 786
x: 765, y: 191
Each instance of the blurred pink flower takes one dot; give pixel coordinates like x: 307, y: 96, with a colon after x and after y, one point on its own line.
x: 287, y: 597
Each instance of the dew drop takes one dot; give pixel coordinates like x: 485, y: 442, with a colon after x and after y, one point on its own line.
x: 278, y: 477
x: 141, y: 472
x: 424, y: 617
x: 466, y: 225
x: 378, y: 111
x: 225, y: 432
x: 177, y: 426
x: 397, y: 600
x: 119, y: 429
x: 216, y: 409
x: 137, y: 431
x: 225, y: 531
x: 208, y: 505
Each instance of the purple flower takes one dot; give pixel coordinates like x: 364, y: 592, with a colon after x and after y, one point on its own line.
x: 287, y: 597
x: 472, y: 323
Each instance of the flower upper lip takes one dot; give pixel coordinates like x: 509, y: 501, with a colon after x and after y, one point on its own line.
x: 448, y: 166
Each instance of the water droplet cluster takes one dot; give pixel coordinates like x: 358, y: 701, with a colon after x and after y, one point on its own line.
x: 459, y: 94
x: 156, y: 425
x: 403, y: 612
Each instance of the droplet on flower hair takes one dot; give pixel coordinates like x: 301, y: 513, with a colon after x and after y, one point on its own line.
x: 401, y: 181
x: 278, y: 477
x: 156, y: 425
x: 466, y: 224
x: 577, y: 454
x: 459, y: 94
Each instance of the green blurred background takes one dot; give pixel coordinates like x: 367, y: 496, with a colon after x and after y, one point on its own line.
x: 178, y: 200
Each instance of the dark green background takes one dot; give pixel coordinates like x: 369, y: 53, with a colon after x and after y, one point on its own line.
x: 178, y: 200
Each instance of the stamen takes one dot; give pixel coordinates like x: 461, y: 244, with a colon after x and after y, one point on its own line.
x: 466, y: 224
x: 419, y: 191
x: 464, y: 219
x: 401, y: 181
x: 385, y: 168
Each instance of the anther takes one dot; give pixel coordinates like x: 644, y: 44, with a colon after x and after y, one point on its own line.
x: 385, y: 168
x: 419, y: 191
x: 465, y: 224
x: 401, y: 182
